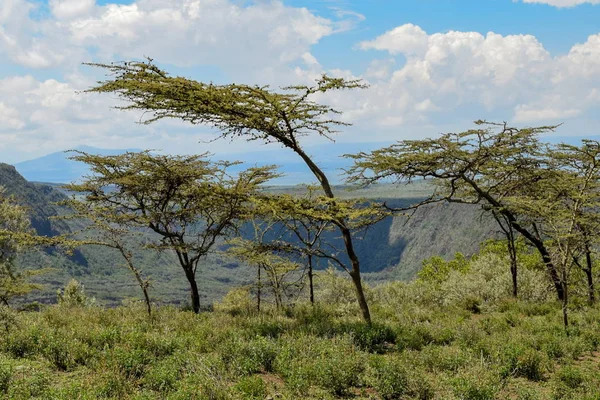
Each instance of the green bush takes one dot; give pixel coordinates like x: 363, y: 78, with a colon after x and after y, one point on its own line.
x: 373, y: 337
x: 6, y: 373
x: 334, y: 365
x: 388, y: 376
x: 476, y: 384
x: 521, y: 361
x: 250, y: 387
x: 249, y: 356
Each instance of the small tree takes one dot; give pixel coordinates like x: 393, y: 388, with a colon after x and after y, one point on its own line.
x: 15, y: 236
x: 241, y: 111
x: 565, y: 208
x: 303, y: 231
x: 104, y: 230
x: 188, y: 201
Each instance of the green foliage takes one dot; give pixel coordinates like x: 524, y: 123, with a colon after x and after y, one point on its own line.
x: 73, y: 295
x: 333, y: 365
x: 251, y: 387
x: 478, y: 383
x: 236, y: 302
x: 388, y: 376
x: 437, y: 270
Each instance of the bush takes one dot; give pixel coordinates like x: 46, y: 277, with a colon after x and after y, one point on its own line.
x: 237, y: 302
x: 373, y: 338
x: 333, y: 365
x: 6, y: 373
x: 246, y: 357
x: 251, y: 387
x: 388, y: 376
x: 476, y: 384
x: 73, y: 295
x: 521, y: 361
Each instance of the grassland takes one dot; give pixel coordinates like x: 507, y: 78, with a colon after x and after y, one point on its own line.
x: 462, y: 338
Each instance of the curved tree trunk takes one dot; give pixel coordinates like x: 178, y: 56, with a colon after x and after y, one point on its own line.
x: 346, y: 235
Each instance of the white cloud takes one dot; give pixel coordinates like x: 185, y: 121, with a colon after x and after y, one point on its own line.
x: 69, y: 9
x: 464, y: 76
x: 9, y: 118
x: 223, y: 33
x: 406, y: 39
x: 563, y: 3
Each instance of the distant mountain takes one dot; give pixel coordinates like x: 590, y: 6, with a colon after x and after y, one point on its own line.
x: 57, y: 168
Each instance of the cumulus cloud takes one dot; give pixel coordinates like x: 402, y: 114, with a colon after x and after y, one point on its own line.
x: 467, y: 76
x: 220, y: 33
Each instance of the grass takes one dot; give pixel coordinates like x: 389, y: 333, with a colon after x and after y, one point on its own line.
x: 512, y: 350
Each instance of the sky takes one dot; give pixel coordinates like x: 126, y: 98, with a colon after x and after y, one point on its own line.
x: 432, y: 66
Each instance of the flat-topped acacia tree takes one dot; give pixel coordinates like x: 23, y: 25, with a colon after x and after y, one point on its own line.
x: 253, y: 113
x: 188, y: 201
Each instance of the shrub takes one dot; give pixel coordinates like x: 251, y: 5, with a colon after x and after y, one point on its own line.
x: 237, y: 302
x: 476, y: 384
x: 521, y: 361
x: 6, y: 372
x: 250, y: 387
x: 162, y: 375
x: 247, y: 357
x: 334, y: 365
x: 571, y: 377
x: 372, y: 338
x: 73, y: 295
x: 388, y: 376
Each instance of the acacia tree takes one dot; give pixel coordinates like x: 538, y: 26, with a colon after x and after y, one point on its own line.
x: 278, y: 269
x: 581, y: 196
x: 104, y: 230
x: 306, y: 218
x: 491, y: 166
x: 292, y: 212
x: 188, y: 201
x: 241, y: 111
x: 566, y: 209
x: 16, y: 236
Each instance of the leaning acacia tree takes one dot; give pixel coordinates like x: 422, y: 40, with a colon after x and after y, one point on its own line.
x: 491, y: 166
x: 188, y: 201
x: 252, y: 113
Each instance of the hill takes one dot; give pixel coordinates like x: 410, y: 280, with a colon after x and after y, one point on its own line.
x: 57, y: 167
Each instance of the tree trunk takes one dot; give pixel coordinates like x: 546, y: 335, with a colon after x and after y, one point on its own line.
x: 512, y: 250
x: 591, y: 290
x: 258, y: 288
x: 138, y: 277
x: 565, y: 310
x: 360, y: 294
x: 195, y: 295
x: 346, y: 234
x: 588, y: 272
x: 310, y: 280
x: 541, y: 248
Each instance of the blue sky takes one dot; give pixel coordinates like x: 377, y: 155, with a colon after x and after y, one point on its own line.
x: 432, y: 66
